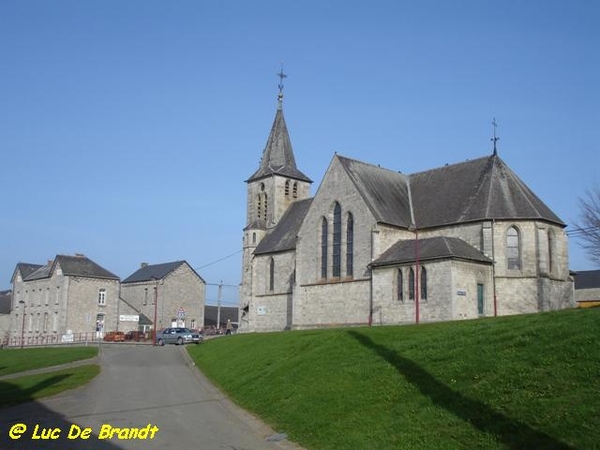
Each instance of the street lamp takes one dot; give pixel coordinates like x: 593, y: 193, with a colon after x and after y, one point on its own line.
x: 22, y: 302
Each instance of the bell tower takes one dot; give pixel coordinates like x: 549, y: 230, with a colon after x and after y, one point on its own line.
x: 270, y: 190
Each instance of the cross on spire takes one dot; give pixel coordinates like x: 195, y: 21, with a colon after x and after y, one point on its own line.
x: 281, y: 76
x: 495, y: 138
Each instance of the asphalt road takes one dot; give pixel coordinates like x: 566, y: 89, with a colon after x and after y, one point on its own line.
x: 155, y: 390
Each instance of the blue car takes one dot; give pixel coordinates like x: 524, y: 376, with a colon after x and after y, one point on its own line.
x: 178, y: 336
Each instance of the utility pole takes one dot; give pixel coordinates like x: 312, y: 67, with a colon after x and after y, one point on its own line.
x: 219, y: 305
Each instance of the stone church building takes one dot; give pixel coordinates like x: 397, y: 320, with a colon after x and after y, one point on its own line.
x: 375, y: 246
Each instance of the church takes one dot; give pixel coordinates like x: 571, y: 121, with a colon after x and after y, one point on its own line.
x: 378, y: 247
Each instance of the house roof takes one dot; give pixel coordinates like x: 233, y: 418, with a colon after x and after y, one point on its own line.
x: 227, y: 312
x: 481, y: 189
x: 26, y: 269
x: 428, y: 249
x: 278, y: 156
x: 283, y: 237
x: 79, y: 266
x: 5, y: 302
x: 152, y: 272
x: 587, y: 279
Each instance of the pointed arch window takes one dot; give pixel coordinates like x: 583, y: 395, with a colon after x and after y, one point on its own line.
x: 259, y: 206
x: 287, y: 187
x: 411, y: 284
x: 295, y: 190
x: 423, y: 283
x: 350, y: 245
x: 337, y: 239
x: 271, y: 274
x: 399, y: 286
x: 551, y: 244
x: 513, y: 249
x: 324, y: 232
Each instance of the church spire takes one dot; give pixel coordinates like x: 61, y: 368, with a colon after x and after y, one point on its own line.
x: 278, y: 155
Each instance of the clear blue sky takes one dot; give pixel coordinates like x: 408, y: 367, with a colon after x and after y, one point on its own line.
x: 127, y: 128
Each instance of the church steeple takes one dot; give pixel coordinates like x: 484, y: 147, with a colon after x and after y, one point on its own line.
x: 278, y: 155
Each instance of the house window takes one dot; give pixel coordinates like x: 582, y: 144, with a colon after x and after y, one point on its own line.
x: 513, y: 249
x: 423, y: 283
x: 271, y: 275
x: 324, y: 248
x: 337, y: 239
x: 287, y: 187
x: 399, y: 286
x: 295, y: 190
x: 45, y: 325
x: 411, y: 284
x: 350, y: 246
x: 102, y: 297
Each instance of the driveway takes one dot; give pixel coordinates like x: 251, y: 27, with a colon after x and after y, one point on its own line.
x: 145, y: 398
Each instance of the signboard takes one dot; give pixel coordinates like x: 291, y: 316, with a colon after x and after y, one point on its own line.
x: 181, y: 312
x: 461, y: 292
x: 261, y: 310
x: 129, y: 318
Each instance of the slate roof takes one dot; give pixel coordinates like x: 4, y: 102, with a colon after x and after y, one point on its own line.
x: 283, y: 237
x: 153, y: 272
x: 278, y: 156
x: 26, y: 269
x: 481, y: 189
x: 405, y: 251
x: 79, y: 266
x: 227, y: 312
x: 385, y: 192
x: 587, y: 279
x: 5, y: 302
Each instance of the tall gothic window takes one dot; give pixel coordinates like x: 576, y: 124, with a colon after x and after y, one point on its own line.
x: 259, y: 205
x: 513, y: 249
x: 265, y: 206
x: 423, y: 283
x: 287, y: 187
x: 337, y: 239
x: 295, y: 190
x: 411, y: 284
x: 271, y: 275
x: 551, y: 244
x: 399, y: 286
x: 324, y: 248
x: 350, y: 245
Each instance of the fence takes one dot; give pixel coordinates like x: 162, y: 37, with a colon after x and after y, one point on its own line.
x: 41, y: 340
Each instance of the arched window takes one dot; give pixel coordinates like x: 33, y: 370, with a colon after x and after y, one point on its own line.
x: 324, y: 248
x: 271, y: 275
x: 423, y: 283
x: 287, y: 187
x: 350, y: 245
x: 295, y: 190
x: 513, y: 249
x: 551, y: 244
x: 337, y: 239
x: 254, y: 238
x: 265, y: 207
x: 399, y: 286
x: 411, y: 284
x: 259, y: 206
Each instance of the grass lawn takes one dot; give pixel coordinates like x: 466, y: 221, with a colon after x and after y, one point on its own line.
x: 19, y: 360
x: 32, y: 387
x: 511, y: 382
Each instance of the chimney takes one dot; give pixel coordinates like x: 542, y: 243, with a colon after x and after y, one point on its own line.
x: 79, y: 255
x: 142, y: 265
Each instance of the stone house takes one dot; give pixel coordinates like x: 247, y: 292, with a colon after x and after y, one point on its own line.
x: 5, y: 307
x: 375, y: 246
x: 63, y: 299
x: 170, y: 294
x: 587, y: 288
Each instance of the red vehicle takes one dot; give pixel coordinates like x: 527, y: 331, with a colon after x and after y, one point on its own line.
x: 114, y: 336
x: 135, y: 336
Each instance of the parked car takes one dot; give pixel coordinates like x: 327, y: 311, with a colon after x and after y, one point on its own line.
x: 135, y: 336
x: 114, y: 336
x: 178, y: 336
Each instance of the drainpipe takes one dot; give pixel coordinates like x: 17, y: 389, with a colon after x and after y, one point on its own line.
x: 494, y: 271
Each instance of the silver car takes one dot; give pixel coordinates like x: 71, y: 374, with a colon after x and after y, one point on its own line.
x: 178, y: 336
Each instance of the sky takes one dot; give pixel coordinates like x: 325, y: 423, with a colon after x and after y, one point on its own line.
x: 128, y: 128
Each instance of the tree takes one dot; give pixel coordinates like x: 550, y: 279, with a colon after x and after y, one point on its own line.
x: 588, y: 228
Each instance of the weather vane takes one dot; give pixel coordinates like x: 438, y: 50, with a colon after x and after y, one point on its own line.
x: 281, y: 76
x: 495, y: 138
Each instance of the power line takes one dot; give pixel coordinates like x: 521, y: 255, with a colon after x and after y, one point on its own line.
x: 218, y: 260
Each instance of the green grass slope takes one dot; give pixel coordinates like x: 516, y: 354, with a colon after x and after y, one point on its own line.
x: 19, y: 360
x: 519, y: 382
